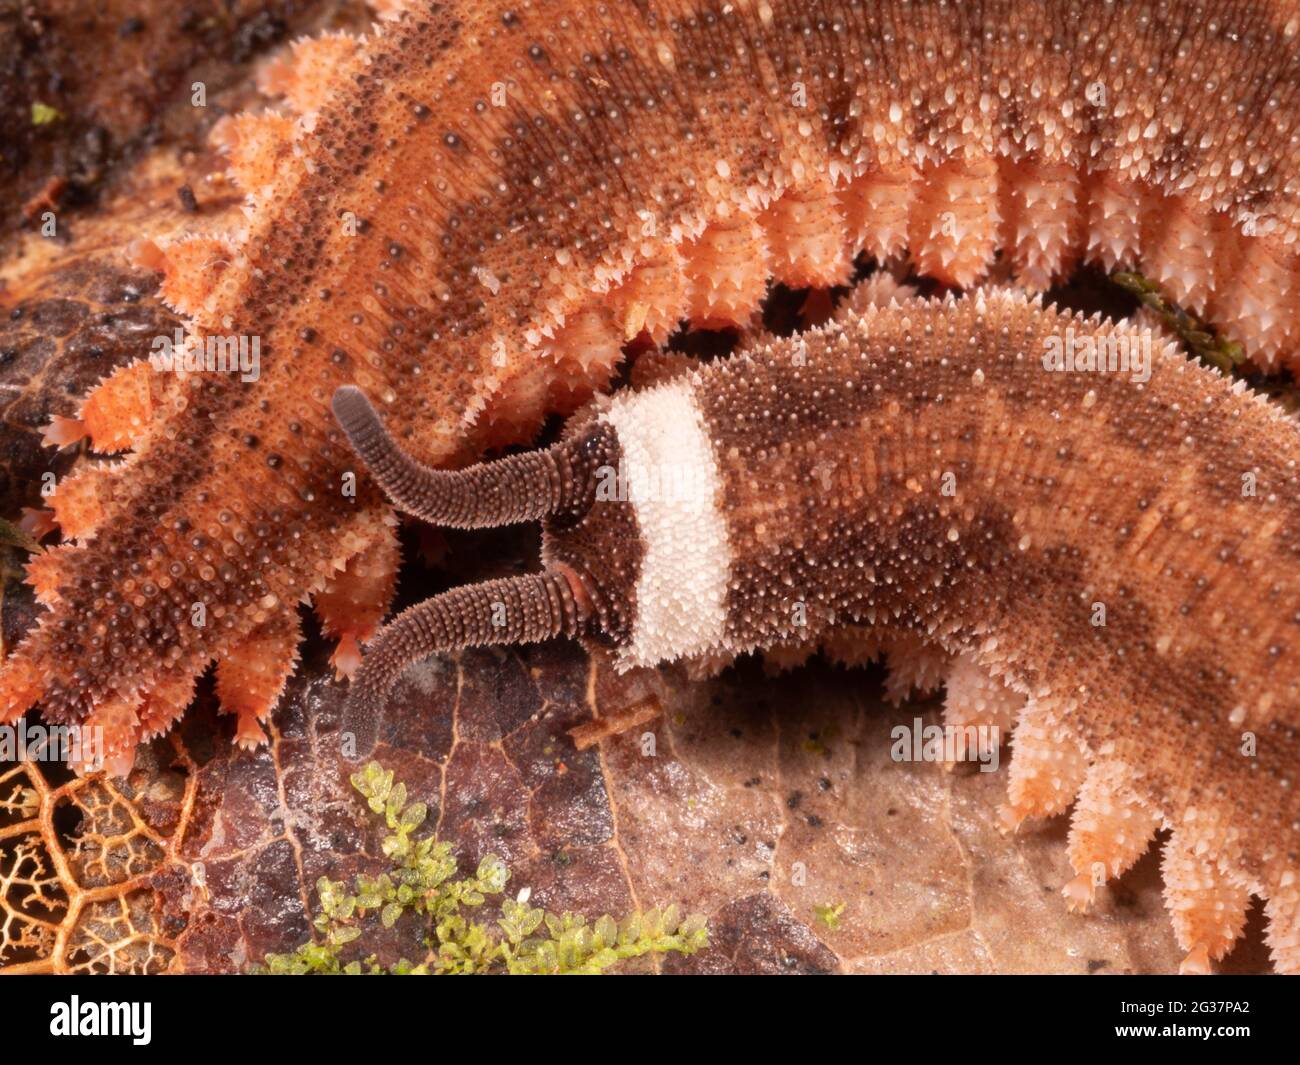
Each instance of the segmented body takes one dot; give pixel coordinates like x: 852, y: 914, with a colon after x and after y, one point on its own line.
x: 474, y: 209
x: 1067, y: 491
x: 1110, y: 558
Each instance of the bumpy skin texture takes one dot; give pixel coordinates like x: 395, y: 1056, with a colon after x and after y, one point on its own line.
x: 478, y: 205
x: 1113, y: 562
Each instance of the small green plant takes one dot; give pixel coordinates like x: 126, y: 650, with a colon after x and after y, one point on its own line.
x: 423, y: 881
x: 44, y: 114
x: 829, y: 915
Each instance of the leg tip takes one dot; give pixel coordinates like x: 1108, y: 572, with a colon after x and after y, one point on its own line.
x: 62, y: 431
x: 1197, y: 962
x: 346, y: 658
x: 1079, y: 893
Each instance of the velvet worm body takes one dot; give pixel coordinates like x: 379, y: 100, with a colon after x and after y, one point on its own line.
x: 939, y: 470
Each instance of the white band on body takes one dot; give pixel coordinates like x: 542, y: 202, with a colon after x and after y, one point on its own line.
x: 670, y: 474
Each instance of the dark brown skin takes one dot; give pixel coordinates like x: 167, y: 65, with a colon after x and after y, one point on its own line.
x: 470, y: 265
x: 918, y: 470
x: 474, y: 226
x: 557, y: 484
x: 1071, y: 489
x: 1175, y: 504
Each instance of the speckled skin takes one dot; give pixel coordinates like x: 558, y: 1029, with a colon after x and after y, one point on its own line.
x: 1068, y: 489
x: 916, y: 471
x: 471, y: 265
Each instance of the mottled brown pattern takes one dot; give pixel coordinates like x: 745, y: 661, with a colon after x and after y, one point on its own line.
x: 753, y: 774
x: 481, y: 230
x: 544, y: 204
x: 71, y: 326
x: 1175, y: 503
x: 119, y: 74
x: 920, y: 472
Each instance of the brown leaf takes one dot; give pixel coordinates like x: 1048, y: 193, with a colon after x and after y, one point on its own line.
x: 759, y: 800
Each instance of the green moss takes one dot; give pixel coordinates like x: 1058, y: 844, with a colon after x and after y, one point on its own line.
x: 44, y: 114
x: 829, y: 915
x: 423, y: 882
x: 1201, y: 339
